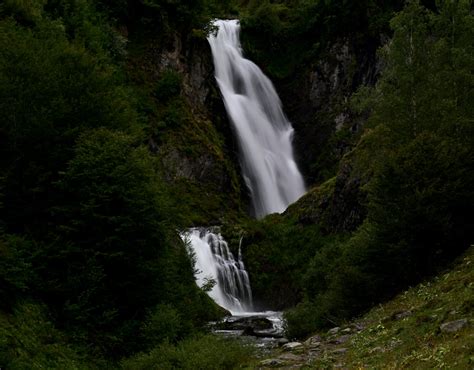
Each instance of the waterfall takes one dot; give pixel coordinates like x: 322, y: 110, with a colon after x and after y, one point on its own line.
x: 214, y: 260
x: 263, y: 132
x: 265, y: 136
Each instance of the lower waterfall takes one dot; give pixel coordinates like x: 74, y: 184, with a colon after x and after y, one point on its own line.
x: 214, y: 261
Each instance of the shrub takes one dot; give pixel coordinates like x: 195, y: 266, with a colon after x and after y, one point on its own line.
x: 199, y: 353
x: 168, y: 86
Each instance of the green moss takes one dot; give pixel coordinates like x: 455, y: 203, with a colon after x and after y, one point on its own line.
x: 190, y: 143
x: 314, y: 206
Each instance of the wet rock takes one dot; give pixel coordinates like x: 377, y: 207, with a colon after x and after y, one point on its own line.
x: 312, y: 341
x: 347, y: 330
x: 272, y: 362
x: 282, y: 341
x: 453, y: 326
x: 255, y: 323
x: 248, y: 331
x: 292, y: 346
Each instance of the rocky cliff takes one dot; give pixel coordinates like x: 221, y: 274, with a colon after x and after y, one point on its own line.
x: 189, y: 127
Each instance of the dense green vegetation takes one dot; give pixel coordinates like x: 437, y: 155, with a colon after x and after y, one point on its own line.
x: 95, y: 138
x: 417, y: 152
x: 92, y: 269
x: 427, y: 326
x: 286, y: 35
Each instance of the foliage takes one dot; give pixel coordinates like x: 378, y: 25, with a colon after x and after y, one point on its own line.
x: 420, y: 198
x: 202, y: 352
x: 88, y: 226
x: 28, y: 340
x: 283, y: 36
x: 50, y: 92
x: 405, y: 332
x: 88, y: 218
x: 15, y: 269
x: 110, y: 233
x: 168, y: 86
x: 276, y: 251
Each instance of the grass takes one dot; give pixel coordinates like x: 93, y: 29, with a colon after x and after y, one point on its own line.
x: 405, y: 332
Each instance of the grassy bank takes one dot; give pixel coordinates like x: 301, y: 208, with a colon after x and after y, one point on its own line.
x: 428, y: 326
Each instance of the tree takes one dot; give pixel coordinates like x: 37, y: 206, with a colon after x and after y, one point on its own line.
x: 102, y: 266
x: 50, y: 92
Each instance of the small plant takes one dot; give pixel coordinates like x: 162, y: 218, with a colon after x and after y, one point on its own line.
x: 168, y: 86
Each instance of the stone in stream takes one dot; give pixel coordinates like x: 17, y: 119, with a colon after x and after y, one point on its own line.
x: 453, y: 326
x: 256, y: 323
x: 248, y: 331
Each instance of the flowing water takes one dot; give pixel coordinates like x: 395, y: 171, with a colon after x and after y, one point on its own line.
x: 263, y: 132
x: 268, y: 166
x: 215, y: 262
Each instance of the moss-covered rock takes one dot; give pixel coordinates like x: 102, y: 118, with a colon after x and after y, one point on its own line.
x: 189, y: 131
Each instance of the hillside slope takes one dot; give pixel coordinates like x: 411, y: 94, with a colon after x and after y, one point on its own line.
x: 428, y: 326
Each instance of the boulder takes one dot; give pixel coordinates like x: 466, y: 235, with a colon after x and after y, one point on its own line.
x: 341, y: 339
x: 313, y: 340
x: 272, y: 362
x: 334, y: 331
x: 453, y: 326
x: 339, y: 351
x: 402, y: 314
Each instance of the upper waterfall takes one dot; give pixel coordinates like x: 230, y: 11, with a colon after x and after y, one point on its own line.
x: 263, y: 131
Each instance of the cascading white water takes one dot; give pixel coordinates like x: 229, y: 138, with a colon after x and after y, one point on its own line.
x: 263, y: 131
x: 266, y: 154
x: 214, y: 260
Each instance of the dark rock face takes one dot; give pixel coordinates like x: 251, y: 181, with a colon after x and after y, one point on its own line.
x: 198, y: 154
x: 317, y: 101
x: 347, y: 210
x: 337, y: 205
x: 326, y: 129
